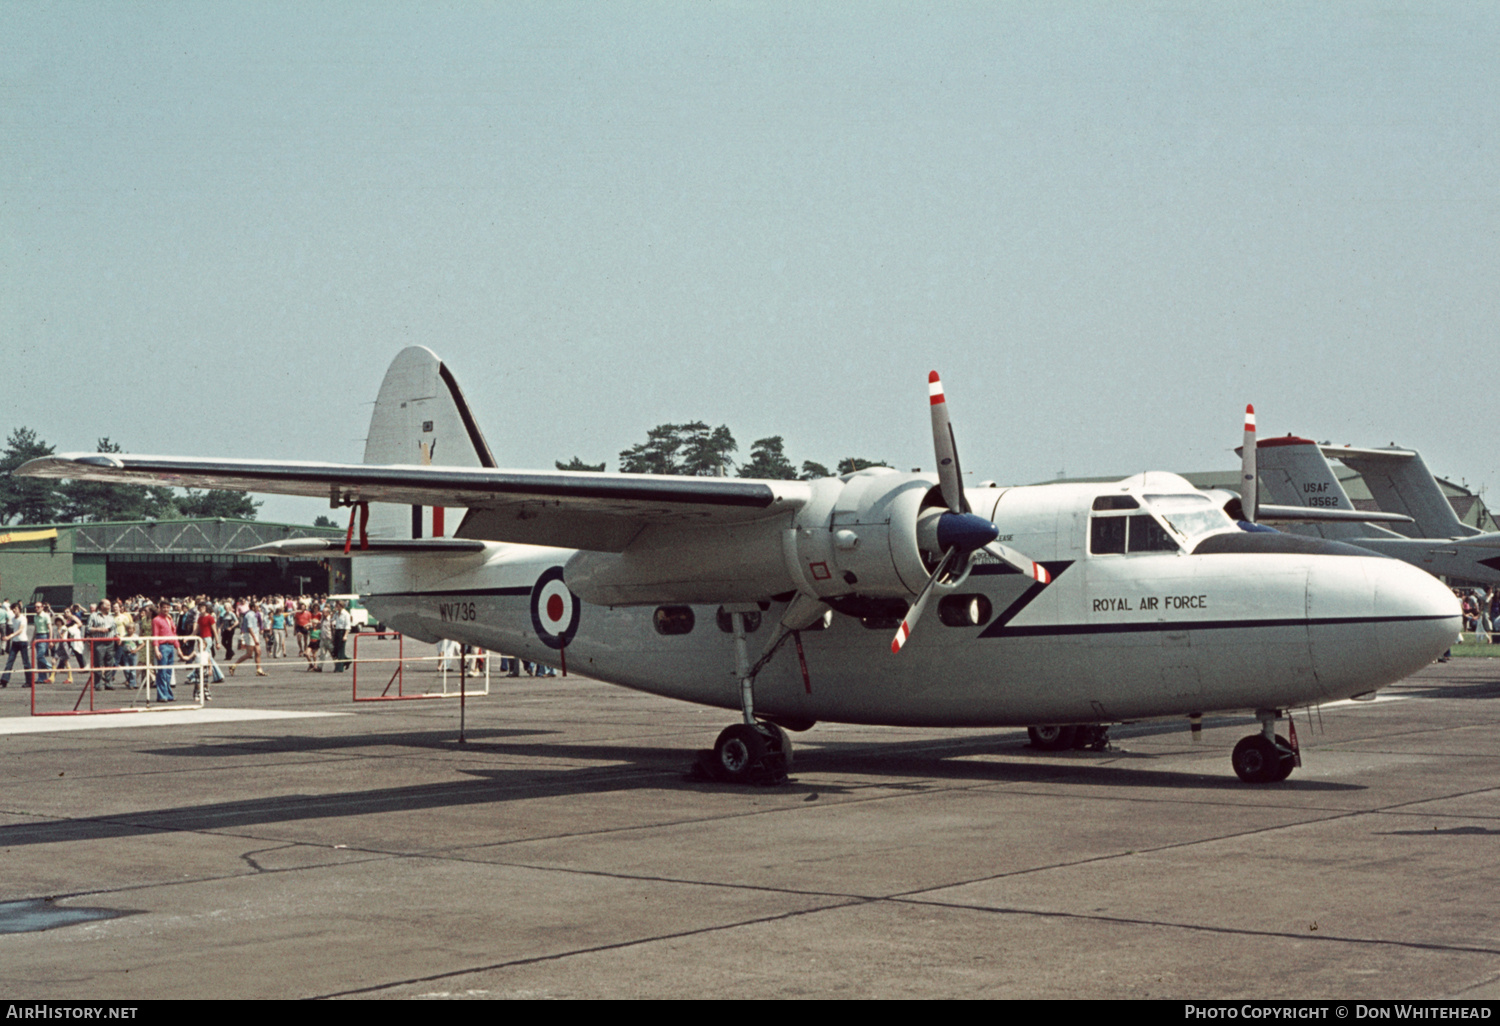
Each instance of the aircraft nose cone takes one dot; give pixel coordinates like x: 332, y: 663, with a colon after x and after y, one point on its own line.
x: 1417, y: 617
x: 965, y: 531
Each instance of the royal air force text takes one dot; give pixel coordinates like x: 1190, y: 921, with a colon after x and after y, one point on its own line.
x: 1150, y: 603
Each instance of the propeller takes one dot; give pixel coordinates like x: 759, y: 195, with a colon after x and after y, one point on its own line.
x: 959, y: 532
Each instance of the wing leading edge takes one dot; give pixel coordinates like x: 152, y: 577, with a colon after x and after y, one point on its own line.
x: 568, y: 509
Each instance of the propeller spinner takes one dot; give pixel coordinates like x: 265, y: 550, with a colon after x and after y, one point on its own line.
x: 959, y: 533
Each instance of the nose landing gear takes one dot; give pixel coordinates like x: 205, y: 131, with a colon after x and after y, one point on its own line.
x: 1267, y: 757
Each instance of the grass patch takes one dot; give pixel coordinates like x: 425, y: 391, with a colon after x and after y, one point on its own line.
x: 1470, y: 649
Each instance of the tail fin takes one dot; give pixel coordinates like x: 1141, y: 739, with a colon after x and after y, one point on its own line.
x: 1295, y: 473
x: 421, y: 418
x: 1401, y: 483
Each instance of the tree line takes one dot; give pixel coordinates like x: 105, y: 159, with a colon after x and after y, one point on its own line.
x: 36, y: 500
x: 696, y: 450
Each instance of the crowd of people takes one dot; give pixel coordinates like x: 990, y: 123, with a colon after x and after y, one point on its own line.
x: 108, y: 641
x: 1481, y: 608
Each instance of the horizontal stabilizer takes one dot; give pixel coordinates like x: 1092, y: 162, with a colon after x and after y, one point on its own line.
x: 1324, y: 515
x: 1338, y: 452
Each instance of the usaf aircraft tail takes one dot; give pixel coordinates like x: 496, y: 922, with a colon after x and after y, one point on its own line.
x: 1401, y: 483
x: 421, y: 419
x: 1294, y: 472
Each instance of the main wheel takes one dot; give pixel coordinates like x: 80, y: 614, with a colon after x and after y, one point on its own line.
x: 740, y: 753
x: 779, y: 745
x: 1052, y: 739
x: 1258, y: 761
x: 1091, y: 735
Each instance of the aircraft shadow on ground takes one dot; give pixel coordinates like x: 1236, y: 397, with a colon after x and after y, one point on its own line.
x: 634, y: 768
x: 301, y: 744
x: 1479, y: 691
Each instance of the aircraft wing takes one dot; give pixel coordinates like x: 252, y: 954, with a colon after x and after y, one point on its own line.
x: 568, y: 509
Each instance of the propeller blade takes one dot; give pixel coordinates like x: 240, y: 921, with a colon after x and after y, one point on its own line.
x: 909, y: 623
x: 1248, y: 480
x: 950, y: 480
x: 1026, y: 565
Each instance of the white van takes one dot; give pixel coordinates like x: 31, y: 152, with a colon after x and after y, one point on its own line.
x: 359, y: 616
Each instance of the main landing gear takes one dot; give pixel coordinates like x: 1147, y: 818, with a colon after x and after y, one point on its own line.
x: 1267, y: 757
x: 1077, y: 735
x: 752, y: 752
x: 746, y: 753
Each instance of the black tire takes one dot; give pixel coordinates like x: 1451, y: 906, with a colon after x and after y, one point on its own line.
x: 1093, y: 736
x: 1257, y: 761
x: 1052, y: 739
x: 1288, y: 760
x: 780, y: 746
x: 740, y: 753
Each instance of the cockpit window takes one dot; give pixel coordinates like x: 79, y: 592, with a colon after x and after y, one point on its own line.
x: 1184, y: 499
x: 1196, y: 523
x: 1106, y: 535
x: 1116, y: 502
x: 1135, y: 533
x: 1190, y: 514
x: 1146, y: 535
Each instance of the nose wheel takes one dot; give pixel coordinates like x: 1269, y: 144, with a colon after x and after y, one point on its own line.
x: 1264, y: 758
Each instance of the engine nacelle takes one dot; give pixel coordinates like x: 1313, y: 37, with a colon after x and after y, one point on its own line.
x: 852, y: 539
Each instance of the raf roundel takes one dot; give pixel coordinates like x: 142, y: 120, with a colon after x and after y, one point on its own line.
x: 554, y: 609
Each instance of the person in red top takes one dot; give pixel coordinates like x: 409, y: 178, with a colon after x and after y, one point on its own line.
x: 164, y: 647
x: 207, y: 623
x: 302, y: 617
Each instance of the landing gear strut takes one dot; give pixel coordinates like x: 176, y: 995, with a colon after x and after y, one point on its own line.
x: 1267, y: 757
x: 752, y: 752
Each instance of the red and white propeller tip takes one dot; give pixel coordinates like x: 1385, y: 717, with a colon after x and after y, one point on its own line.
x: 960, y: 533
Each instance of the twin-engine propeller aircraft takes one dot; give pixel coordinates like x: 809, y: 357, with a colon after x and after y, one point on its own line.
x: 877, y: 597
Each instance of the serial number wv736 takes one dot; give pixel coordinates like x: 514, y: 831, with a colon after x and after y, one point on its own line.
x: 455, y: 611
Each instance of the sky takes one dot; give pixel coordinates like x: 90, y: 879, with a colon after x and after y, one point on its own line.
x: 1109, y: 226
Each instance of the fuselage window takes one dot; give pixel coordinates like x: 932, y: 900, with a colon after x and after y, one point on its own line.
x: 964, y: 610
x: 726, y: 622
x: 673, y: 619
